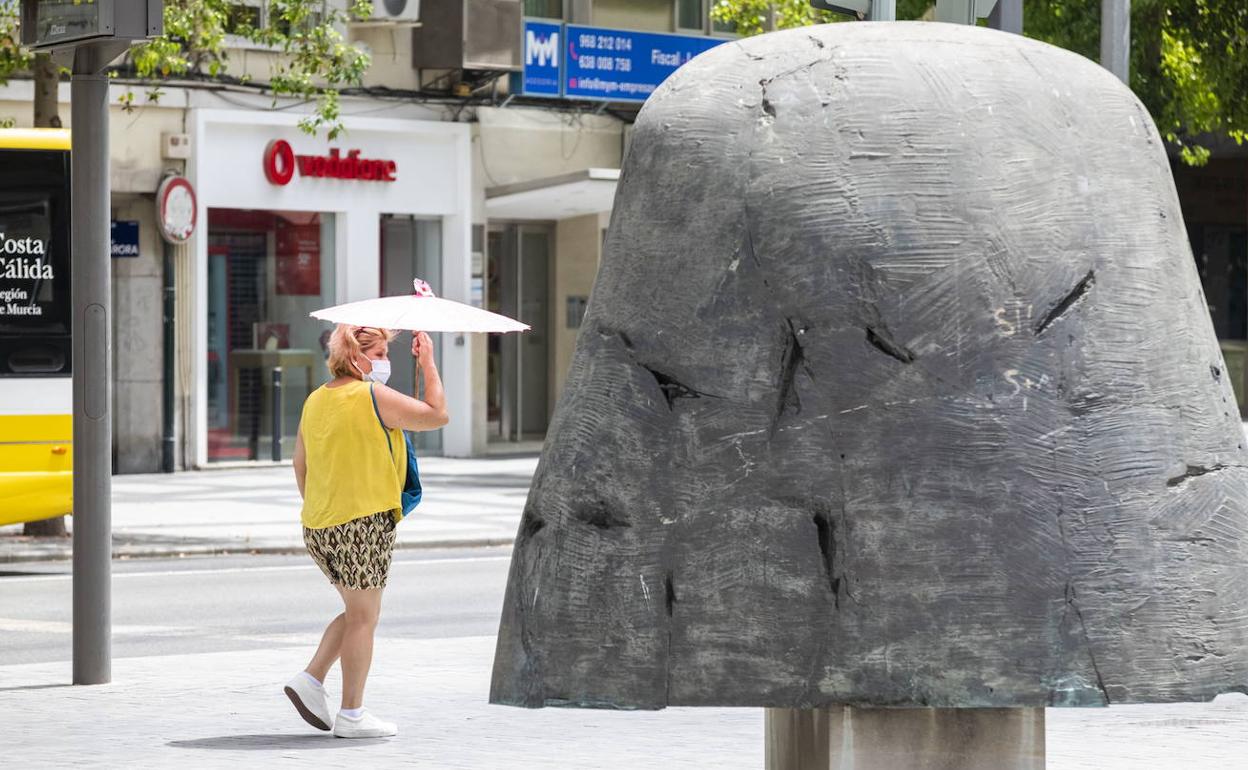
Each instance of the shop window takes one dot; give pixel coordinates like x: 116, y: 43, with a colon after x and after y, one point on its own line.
x: 266, y: 271
x: 544, y: 9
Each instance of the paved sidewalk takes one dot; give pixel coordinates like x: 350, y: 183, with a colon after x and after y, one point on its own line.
x: 256, y: 510
x: 226, y: 710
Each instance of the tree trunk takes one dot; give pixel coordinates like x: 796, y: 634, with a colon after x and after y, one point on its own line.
x: 47, y: 115
x: 47, y: 81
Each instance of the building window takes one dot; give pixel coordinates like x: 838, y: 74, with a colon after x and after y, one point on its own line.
x: 241, y: 19
x: 266, y: 271
x: 722, y: 28
x: 690, y: 15
x: 694, y: 16
x: 544, y: 9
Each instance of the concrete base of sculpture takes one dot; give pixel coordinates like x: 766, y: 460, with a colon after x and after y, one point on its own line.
x: 846, y: 738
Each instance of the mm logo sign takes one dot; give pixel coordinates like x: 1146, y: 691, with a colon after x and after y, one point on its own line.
x: 541, y: 50
x: 542, y: 58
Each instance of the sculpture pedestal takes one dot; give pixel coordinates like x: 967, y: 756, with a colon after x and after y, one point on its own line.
x: 845, y: 738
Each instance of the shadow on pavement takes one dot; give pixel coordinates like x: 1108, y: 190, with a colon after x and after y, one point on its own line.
x: 35, y: 687
x: 275, y: 742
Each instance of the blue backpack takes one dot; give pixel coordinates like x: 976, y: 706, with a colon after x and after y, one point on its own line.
x: 410, y: 497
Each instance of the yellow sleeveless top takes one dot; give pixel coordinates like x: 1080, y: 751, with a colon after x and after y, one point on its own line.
x: 351, y: 473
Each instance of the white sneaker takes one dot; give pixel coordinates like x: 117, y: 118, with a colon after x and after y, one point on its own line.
x: 310, y: 701
x: 366, y: 726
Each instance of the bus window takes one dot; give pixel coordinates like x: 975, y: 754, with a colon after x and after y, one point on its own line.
x: 34, y: 265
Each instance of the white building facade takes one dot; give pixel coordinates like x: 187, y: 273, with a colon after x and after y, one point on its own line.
x: 494, y: 200
x: 289, y: 223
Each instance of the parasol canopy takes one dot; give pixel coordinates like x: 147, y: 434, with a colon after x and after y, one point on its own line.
x: 421, y: 311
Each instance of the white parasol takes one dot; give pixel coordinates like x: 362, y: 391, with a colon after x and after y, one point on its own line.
x: 421, y: 311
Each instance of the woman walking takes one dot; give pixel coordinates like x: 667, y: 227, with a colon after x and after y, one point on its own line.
x: 350, y: 479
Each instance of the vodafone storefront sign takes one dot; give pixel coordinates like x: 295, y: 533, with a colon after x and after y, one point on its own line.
x: 281, y: 164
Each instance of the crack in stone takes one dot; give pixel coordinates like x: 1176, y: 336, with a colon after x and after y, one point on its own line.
x: 669, y: 386
x: 1080, y: 291
x: 825, y: 529
x: 669, y: 603
x: 882, y: 341
x: 1194, y: 471
x: 1087, y: 641
x: 672, y: 388
x: 793, y: 358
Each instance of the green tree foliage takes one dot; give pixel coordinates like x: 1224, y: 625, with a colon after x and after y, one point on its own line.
x: 751, y: 17
x: 12, y: 56
x: 1189, y: 61
x: 313, y: 60
x: 1189, y: 58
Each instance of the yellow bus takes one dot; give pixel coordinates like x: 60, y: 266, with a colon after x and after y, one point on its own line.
x: 36, y: 390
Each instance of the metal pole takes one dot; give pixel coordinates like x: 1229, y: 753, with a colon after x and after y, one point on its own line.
x: 883, y: 10
x: 957, y: 11
x: 1116, y: 38
x: 167, y: 439
x: 276, y: 404
x: 92, y: 363
x: 1007, y: 16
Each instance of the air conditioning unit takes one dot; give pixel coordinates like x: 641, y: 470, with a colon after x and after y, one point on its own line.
x: 468, y: 35
x: 405, y: 12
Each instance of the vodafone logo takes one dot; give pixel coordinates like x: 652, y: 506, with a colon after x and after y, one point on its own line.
x: 281, y: 163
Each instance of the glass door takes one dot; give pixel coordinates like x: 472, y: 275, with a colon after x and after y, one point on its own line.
x: 518, y: 285
x: 411, y: 248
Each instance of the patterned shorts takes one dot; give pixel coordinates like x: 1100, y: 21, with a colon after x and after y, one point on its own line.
x: 355, y: 555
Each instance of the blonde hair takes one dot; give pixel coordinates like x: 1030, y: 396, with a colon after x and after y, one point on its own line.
x: 348, y: 341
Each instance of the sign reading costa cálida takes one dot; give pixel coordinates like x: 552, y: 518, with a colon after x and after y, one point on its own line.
x: 280, y: 163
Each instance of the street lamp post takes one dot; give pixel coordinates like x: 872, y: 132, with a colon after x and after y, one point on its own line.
x: 883, y: 10
x: 1116, y: 38
x: 91, y: 288
x: 86, y: 37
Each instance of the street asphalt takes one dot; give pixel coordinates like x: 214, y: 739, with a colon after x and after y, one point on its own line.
x: 255, y: 510
x: 203, y: 604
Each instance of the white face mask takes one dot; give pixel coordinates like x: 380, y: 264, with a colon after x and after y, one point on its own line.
x: 380, y: 372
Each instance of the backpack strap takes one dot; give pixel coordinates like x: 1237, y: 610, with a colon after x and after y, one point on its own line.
x: 385, y: 432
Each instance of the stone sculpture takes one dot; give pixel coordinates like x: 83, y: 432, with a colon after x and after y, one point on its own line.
x: 897, y: 388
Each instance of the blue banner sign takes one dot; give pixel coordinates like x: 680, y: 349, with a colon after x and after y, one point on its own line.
x: 543, y: 48
x: 621, y: 66
x: 125, y: 238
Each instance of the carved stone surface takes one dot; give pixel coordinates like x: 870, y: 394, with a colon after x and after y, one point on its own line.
x: 897, y: 388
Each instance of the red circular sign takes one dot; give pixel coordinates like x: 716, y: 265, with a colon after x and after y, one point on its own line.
x: 279, y: 162
x: 176, y: 209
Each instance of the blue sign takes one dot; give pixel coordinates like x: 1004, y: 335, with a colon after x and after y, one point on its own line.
x: 125, y: 235
x: 620, y: 66
x: 542, y: 48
